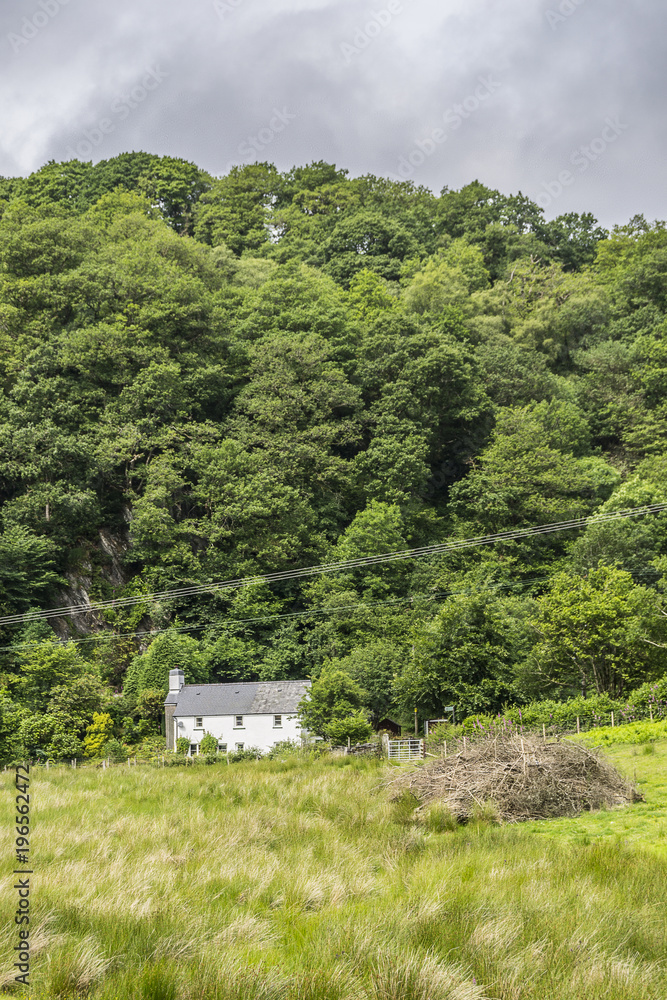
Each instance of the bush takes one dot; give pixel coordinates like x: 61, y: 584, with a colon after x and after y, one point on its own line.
x: 114, y: 750
x: 97, y: 734
x: 182, y: 745
x: 64, y: 746
x: 150, y: 747
x: 249, y: 753
x: 283, y: 749
x: 354, y: 727
x: 633, y: 732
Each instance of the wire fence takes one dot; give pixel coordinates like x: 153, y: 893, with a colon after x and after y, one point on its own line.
x: 552, y: 723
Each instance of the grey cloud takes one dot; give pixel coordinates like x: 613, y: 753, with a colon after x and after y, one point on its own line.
x: 363, y: 97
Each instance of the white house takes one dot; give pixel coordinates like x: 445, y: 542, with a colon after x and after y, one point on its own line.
x: 239, y: 715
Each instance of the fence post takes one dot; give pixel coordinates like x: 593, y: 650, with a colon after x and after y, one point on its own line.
x: 444, y: 754
x: 578, y: 730
x: 544, y: 732
x: 612, y: 719
x: 523, y: 755
x: 650, y: 712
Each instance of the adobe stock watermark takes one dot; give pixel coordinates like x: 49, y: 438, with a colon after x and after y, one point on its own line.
x: 225, y: 7
x: 365, y: 33
x: 254, y: 144
x: 120, y: 109
x: 582, y: 158
x: 31, y: 26
x: 453, y: 118
x: 566, y: 9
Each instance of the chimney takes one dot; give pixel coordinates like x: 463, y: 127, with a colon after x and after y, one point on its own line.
x: 176, y: 680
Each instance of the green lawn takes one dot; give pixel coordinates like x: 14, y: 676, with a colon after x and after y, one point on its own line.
x: 304, y: 881
x: 643, y: 825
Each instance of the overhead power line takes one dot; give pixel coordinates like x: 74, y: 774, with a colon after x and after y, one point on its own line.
x: 337, y: 567
x: 415, y: 599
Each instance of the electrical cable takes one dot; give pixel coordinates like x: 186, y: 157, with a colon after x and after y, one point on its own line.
x: 337, y: 567
x: 413, y: 598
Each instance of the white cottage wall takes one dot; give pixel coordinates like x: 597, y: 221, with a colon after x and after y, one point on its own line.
x: 257, y: 730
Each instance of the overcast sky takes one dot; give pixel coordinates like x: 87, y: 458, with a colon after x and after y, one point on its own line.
x: 563, y: 100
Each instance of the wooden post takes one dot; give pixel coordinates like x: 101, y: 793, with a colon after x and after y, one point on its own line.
x: 612, y: 719
x: 416, y: 730
x: 464, y: 744
x: 523, y: 756
x: 578, y: 724
x: 444, y: 753
x: 544, y: 732
x: 650, y: 712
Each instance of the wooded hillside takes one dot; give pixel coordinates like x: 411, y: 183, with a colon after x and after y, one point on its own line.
x: 205, y: 379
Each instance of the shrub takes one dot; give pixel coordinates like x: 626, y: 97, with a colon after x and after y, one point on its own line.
x: 354, y: 727
x: 284, y: 748
x: 114, y: 750
x: 97, y: 734
x: 249, y: 753
x: 182, y: 745
x: 64, y: 746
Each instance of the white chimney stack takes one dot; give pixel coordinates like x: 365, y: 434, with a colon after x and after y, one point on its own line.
x: 176, y: 681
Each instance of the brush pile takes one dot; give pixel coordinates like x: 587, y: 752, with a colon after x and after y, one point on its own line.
x: 524, y: 778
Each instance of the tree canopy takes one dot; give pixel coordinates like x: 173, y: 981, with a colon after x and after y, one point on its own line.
x: 210, y: 378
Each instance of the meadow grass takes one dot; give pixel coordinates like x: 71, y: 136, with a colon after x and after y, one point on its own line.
x: 303, y: 879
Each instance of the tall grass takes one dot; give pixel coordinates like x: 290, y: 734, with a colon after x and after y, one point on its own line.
x: 276, y: 880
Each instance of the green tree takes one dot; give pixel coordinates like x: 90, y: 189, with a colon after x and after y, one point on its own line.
x: 97, y: 734
x: 333, y: 696
x: 600, y: 633
x: 355, y: 727
x: 45, y: 667
x: 171, y: 650
x: 208, y: 745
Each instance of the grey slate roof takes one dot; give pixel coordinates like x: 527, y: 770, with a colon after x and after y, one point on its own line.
x: 246, y: 698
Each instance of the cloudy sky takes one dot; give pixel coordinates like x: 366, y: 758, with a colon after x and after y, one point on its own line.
x: 563, y: 100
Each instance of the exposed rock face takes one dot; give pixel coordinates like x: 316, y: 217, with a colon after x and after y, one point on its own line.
x: 106, y: 566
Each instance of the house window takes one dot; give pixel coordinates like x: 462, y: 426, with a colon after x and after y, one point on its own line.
x: 222, y: 747
x: 277, y: 721
x: 238, y: 722
x: 239, y: 746
x: 199, y: 722
x: 193, y: 749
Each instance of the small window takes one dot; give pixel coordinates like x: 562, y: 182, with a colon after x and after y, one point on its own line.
x: 238, y: 724
x: 222, y: 747
x: 193, y: 749
x: 199, y: 722
x: 239, y: 746
x: 277, y: 721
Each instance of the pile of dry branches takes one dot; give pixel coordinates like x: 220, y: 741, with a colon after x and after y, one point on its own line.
x: 523, y: 776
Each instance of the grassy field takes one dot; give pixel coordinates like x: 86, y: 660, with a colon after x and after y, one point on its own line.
x: 303, y: 880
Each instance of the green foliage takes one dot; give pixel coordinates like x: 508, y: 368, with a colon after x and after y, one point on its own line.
x: 207, y: 379
x: 169, y: 651
x: 333, y: 697
x: 114, y: 750
x: 633, y: 732
x: 98, y: 734
x: 182, y: 745
x: 27, y: 565
x: 208, y: 745
x: 601, y: 632
x: 45, y: 667
x: 354, y: 727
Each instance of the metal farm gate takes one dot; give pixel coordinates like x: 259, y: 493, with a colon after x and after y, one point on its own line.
x: 405, y: 749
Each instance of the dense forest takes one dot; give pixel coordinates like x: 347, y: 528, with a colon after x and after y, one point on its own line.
x: 212, y: 378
